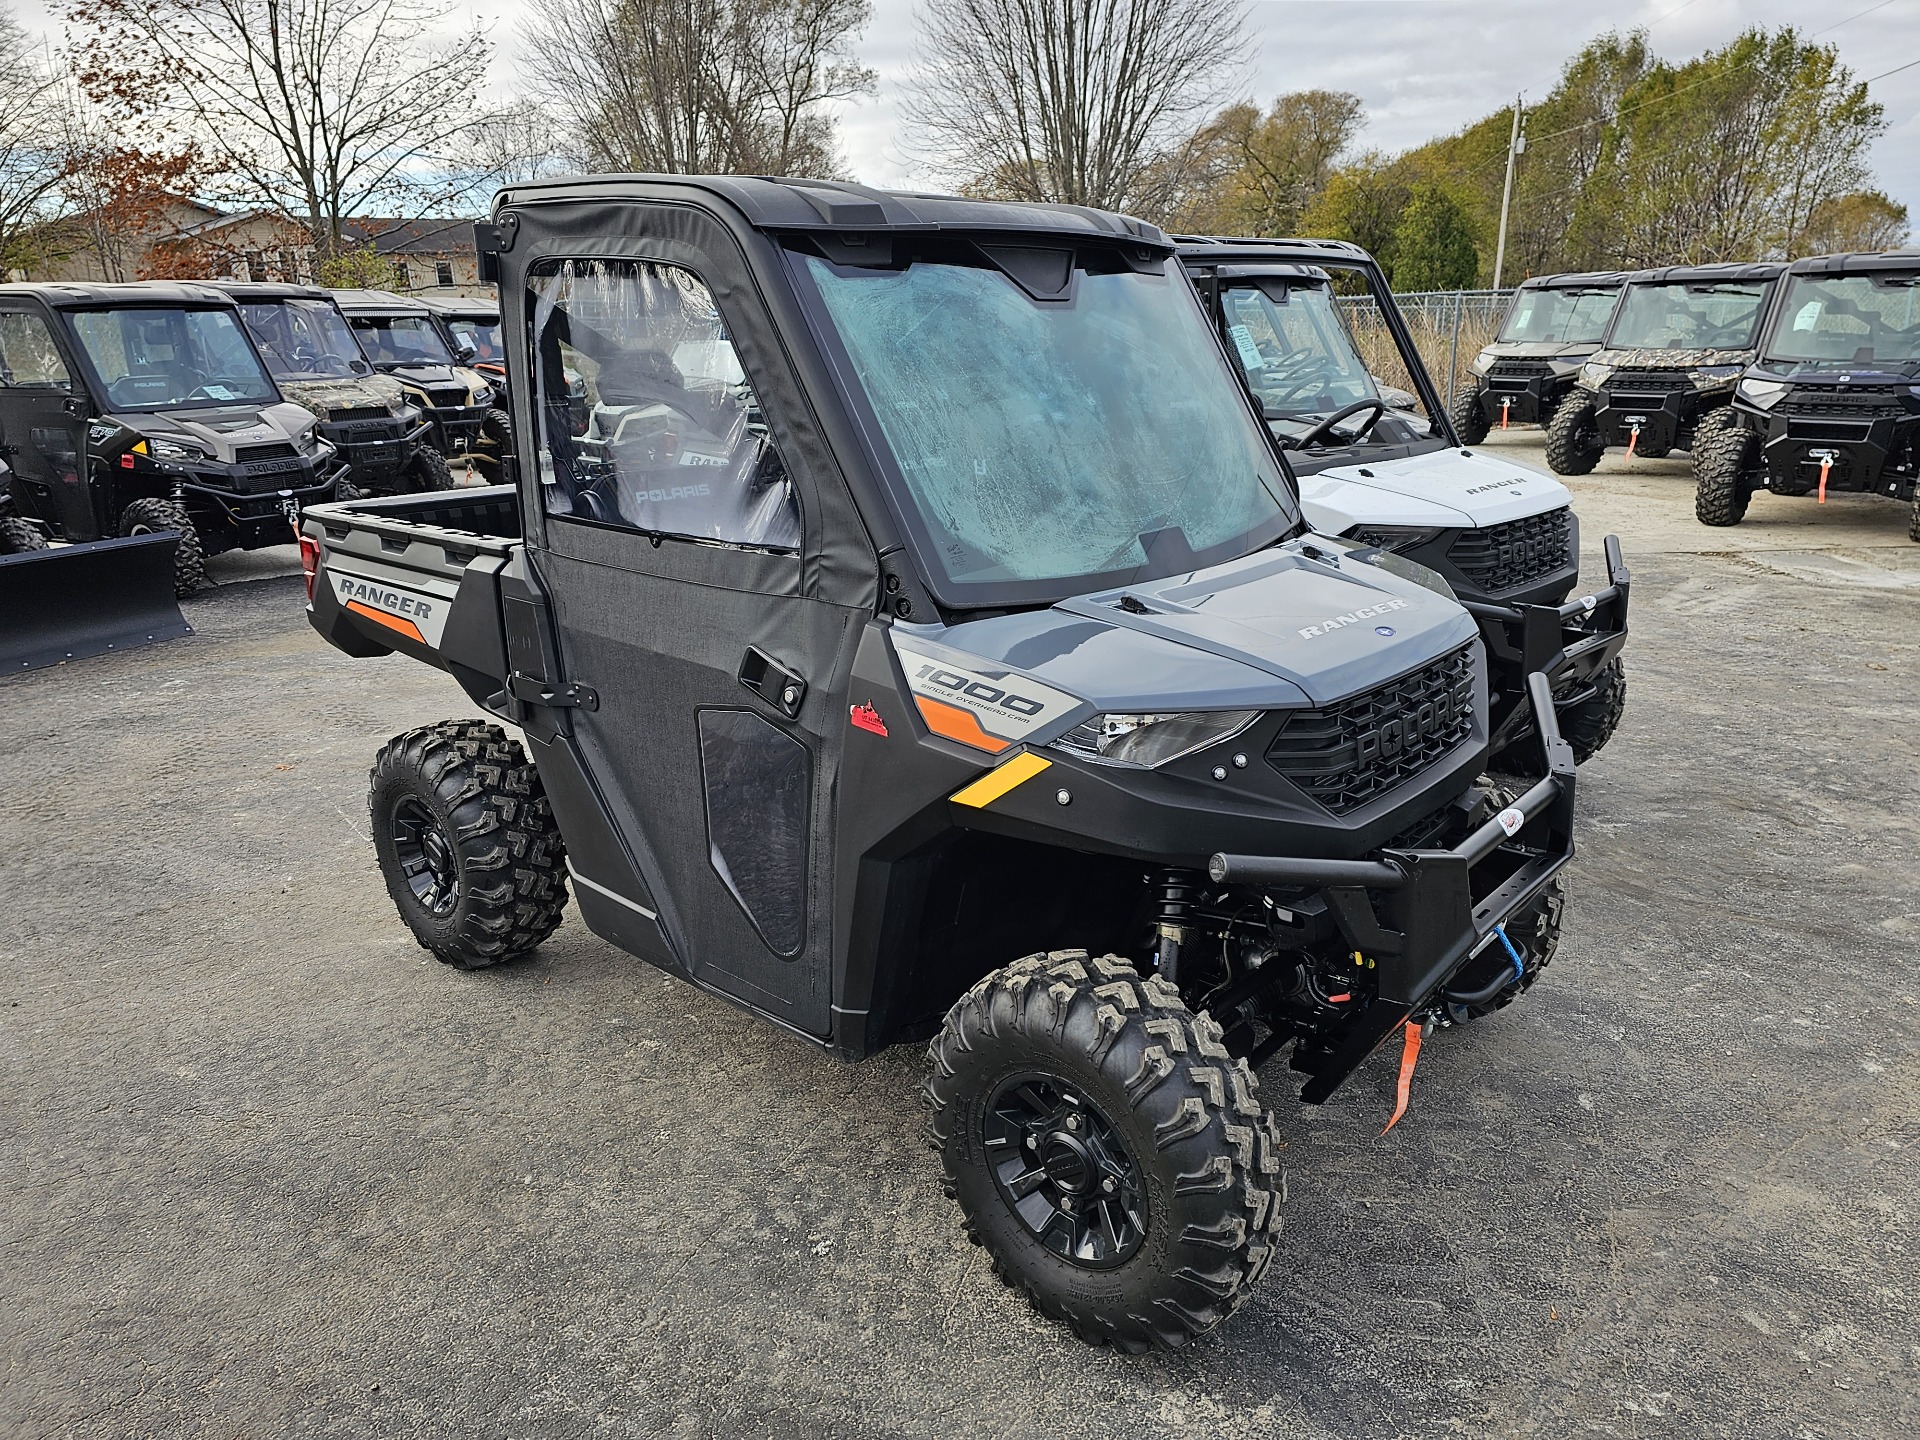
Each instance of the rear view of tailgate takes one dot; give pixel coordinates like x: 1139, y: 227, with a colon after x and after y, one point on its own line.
x: 416, y: 574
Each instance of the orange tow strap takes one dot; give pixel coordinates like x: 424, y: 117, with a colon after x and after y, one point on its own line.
x: 1504, y: 404
x: 1825, y: 465
x: 1633, y: 439
x: 1407, y: 1056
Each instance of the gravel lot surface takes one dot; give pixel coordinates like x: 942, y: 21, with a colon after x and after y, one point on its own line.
x: 267, y: 1168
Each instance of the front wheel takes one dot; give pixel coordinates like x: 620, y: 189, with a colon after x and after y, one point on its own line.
x: 1574, y: 446
x: 428, y: 470
x: 18, y: 535
x: 1469, y: 417
x: 152, y: 515
x: 1725, y: 475
x: 1588, y: 725
x: 467, y: 842
x: 1108, y: 1152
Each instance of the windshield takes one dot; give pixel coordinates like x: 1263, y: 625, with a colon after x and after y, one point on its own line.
x: 154, y: 359
x: 1049, y: 445
x: 401, y: 340
x: 1688, y: 315
x: 1299, y: 359
x: 303, y: 339
x: 480, y: 336
x: 1565, y: 317
x: 1849, y: 320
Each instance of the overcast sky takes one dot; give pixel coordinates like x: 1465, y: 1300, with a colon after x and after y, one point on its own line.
x: 1422, y: 67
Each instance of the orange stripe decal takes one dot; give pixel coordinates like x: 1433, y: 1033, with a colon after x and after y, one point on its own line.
x: 392, y: 622
x: 954, y: 723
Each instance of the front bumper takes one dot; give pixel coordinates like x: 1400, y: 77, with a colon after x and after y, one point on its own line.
x: 456, y: 428
x: 1442, y: 907
x: 1569, y: 644
x: 232, y: 519
x: 374, y: 449
x: 1652, y: 421
x: 1521, y: 396
x: 1873, y: 454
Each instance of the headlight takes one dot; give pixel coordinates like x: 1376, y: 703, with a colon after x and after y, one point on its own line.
x: 176, y: 450
x: 1482, y: 362
x: 1150, y: 740
x: 409, y: 414
x: 1565, y: 364
x: 1593, y: 374
x: 1392, y: 537
x: 1710, y: 375
x: 1762, y: 394
x: 483, y: 396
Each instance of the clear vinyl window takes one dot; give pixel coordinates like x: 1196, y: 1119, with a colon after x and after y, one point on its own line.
x: 646, y: 418
x: 28, y: 358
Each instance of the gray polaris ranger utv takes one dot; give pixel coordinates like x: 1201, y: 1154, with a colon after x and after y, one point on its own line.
x: 1552, y: 326
x: 1663, y: 376
x: 1833, y: 402
x: 920, y: 637
x: 150, y: 410
x: 316, y: 361
x: 400, y: 337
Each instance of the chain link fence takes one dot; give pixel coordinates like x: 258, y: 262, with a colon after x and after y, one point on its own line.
x: 1449, y: 328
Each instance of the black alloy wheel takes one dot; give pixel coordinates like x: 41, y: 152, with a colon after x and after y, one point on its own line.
x: 1065, y: 1170
x: 426, y: 856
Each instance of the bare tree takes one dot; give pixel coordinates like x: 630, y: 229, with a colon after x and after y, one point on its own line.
x: 320, y: 109
x: 699, y: 86
x: 31, y: 167
x: 1089, y: 102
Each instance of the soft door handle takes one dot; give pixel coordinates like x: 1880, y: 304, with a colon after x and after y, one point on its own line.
x: 772, y: 682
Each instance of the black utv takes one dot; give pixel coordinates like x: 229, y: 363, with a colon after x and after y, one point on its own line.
x: 922, y: 638
x: 471, y: 327
x: 1663, y: 376
x: 1389, y: 472
x: 1833, y: 402
x: 132, y: 408
x: 401, y: 338
x: 317, y: 363
x: 1552, y: 327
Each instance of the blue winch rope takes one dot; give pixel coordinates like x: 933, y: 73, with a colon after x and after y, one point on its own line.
x: 1519, y: 966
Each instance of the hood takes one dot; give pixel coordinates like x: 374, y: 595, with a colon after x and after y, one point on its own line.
x: 359, y: 392
x: 1273, y: 630
x: 223, y: 431
x: 1670, y: 359
x: 1449, y: 488
x: 1539, y: 349
x: 1839, y: 372
x: 424, y: 374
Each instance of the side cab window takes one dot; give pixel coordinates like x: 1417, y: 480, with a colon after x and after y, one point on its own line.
x: 646, y: 420
x: 28, y: 357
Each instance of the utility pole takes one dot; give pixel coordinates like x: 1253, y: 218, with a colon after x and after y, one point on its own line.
x: 1516, y: 146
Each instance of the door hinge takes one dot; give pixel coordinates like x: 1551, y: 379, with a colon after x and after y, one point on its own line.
x: 566, y: 696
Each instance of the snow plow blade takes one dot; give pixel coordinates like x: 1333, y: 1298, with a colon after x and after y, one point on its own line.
x: 72, y: 601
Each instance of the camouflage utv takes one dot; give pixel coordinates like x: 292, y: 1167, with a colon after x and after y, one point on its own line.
x: 311, y: 353
x: 400, y: 337
x: 1663, y: 377
x: 471, y: 328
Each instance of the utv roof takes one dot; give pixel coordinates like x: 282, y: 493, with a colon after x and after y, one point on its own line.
x: 838, y: 206
x: 1857, y: 264
x: 1705, y: 274
x: 451, y: 305
x: 1235, y: 247
x: 377, y: 302
x: 1577, y: 280
x: 259, y: 291
x: 75, y: 295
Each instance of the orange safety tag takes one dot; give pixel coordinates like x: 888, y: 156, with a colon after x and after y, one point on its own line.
x: 1504, y: 406
x: 1825, y: 465
x: 1407, y: 1056
x: 1633, y: 439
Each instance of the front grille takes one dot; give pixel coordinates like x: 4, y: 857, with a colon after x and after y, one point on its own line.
x: 263, y: 452
x: 1848, y: 402
x: 351, y: 413
x: 263, y: 479
x: 1345, y: 754
x: 1838, y: 432
x: 449, y: 399
x: 1521, y: 370
x: 1647, y: 382
x: 1505, y: 557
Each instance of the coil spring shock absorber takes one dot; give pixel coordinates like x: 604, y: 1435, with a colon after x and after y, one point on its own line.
x: 1176, y: 892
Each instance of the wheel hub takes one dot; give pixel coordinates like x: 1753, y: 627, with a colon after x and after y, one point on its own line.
x: 426, y: 855
x: 1065, y: 1170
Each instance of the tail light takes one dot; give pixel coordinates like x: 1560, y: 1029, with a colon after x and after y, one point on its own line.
x: 309, y: 562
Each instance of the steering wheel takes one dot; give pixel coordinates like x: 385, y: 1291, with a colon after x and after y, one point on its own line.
x: 1300, y: 372
x: 1319, y: 433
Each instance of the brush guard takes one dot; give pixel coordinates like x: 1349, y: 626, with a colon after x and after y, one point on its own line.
x: 1434, y: 928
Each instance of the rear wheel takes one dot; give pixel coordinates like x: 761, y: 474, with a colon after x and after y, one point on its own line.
x: 18, y: 535
x: 428, y: 470
x: 152, y: 515
x: 1573, y: 440
x: 1469, y: 417
x: 1725, y: 475
x: 467, y: 842
x: 1108, y: 1152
